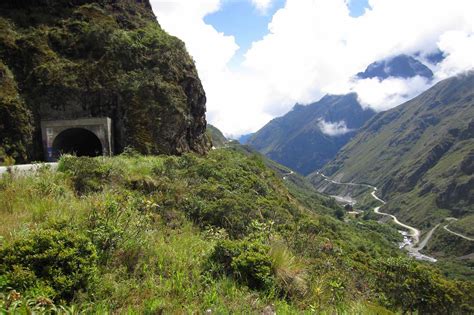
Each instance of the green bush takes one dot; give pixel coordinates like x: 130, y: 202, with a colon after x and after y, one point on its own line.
x: 15, y: 120
x: 117, y: 221
x: 410, y: 286
x: 55, y: 263
x: 248, y: 262
x: 87, y: 174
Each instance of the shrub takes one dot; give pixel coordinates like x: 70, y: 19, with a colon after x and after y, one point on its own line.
x: 15, y: 120
x: 414, y: 287
x: 248, y: 262
x: 339, y: 213
x: 59, y: 263
x: 289, y: 271
x: 87, y: 174
x: 116, y: 220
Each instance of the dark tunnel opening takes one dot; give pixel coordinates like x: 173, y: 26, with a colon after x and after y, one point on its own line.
x: 77, y: 141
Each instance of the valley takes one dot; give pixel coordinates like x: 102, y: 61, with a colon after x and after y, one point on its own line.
x: 349, y: 191
x: 419, y: 155
x: 413, y: 244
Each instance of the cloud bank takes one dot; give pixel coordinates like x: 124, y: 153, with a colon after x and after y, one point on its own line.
x: 314, y: 47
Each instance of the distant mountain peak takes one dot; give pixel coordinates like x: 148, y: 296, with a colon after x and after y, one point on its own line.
x: 401, y: 66
x: 310, y: 135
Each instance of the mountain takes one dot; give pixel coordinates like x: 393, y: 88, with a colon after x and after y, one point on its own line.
x: 71, y: 59
x: 217, y: 137
x: 245, y: 138
x: 420, y: 155
x: 401, y: 66
x: 309, y: 136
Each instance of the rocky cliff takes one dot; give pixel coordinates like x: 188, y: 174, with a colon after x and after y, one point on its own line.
x: 71, y: 59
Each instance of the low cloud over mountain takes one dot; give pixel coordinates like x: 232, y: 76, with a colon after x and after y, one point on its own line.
x: 314, y: 47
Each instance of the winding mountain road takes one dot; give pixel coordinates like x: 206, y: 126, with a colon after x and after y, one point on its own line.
x: 454, y: 233
x: 414, y: 233
x: 423, y: 243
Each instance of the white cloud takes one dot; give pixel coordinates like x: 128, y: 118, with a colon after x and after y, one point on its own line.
x: 381, y: 95
x: 332, y: 129
x: 262, y: 5
x: 314, y: 47
x: 211, y: 49
x: 459, y: 49
x: 386, y: 94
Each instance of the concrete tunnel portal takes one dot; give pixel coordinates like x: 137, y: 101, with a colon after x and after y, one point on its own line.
x: 79, y: 142
x: 80, y: 137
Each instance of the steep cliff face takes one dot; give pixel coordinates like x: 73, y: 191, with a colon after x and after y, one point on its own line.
x: 82, y: 58
x: 15, y: 118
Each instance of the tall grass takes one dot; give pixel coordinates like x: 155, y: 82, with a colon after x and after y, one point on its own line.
x: 156, y: 221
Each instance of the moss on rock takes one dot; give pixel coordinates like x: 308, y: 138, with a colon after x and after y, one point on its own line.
x: 15, y: 119
x: 74, y: 59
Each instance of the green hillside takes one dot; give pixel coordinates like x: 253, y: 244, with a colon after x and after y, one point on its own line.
x: 136, y: 234
x: 420, y: 155
x: 299, y: 186
x: 217, y: 137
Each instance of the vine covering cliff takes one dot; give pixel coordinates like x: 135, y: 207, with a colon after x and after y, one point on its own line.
x: 70, y: 59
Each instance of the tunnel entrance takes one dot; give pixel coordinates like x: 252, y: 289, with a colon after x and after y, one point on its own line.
x: 82, y: 137
x: 77, y: 141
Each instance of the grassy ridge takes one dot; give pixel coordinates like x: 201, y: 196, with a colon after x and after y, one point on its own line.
x: 190, y: 233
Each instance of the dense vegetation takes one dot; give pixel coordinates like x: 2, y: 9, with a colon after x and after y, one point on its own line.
x: 189, y: 234
x: 77, y: 59
x: 15, y: 120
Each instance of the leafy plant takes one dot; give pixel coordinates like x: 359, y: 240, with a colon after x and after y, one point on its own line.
x: 87, y: 174
x: 248, y: 262
x: 414, y: 287
x: 55, y: 263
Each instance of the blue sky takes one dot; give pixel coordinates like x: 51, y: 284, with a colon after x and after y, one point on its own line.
x: 247, y: 24
x: 242, y: 20
x: 357, y: 7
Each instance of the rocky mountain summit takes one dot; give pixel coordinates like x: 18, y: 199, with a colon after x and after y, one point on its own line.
x: 401, y: 66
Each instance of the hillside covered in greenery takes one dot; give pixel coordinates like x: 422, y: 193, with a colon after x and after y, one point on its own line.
x: 421, y: 156
x: 82, y: 58
x: 217, y: 137
x: 220, y: 234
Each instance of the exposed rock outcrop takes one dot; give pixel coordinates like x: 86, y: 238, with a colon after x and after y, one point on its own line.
x: 80, y: 58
